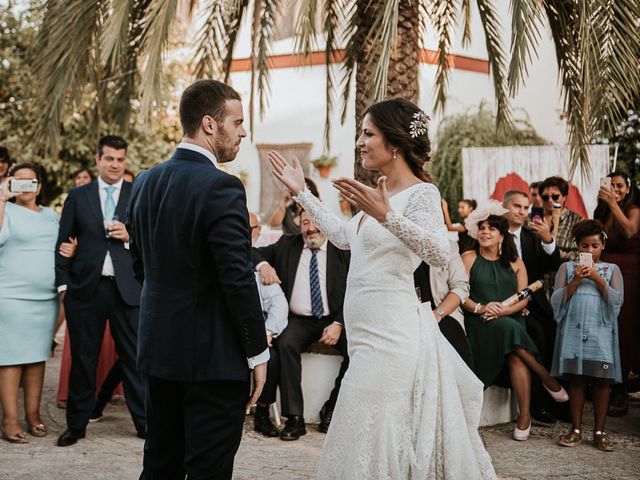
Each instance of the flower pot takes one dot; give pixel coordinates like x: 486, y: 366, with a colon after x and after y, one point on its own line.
x: 324, y: 170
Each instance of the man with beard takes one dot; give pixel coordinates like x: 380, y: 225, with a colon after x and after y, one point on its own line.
x: 201, y: 324
x: 313, y: 275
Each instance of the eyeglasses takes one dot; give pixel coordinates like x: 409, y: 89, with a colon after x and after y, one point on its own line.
x: 555, y: 197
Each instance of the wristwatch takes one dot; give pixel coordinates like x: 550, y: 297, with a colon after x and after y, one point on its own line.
x: 440, y: 312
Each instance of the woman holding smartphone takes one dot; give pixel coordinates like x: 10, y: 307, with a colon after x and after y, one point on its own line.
x: 28, y: 299
x: 619, y: 212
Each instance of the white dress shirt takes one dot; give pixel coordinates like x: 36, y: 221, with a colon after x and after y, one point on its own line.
x: 107, y: 266
x: 197, y: 148
x: 300, y: 301
x: 548, y: 248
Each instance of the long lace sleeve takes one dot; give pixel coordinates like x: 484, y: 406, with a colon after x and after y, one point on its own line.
x: 329, y: 224
x: 421, y: 226
x: 558, y: 300
x: 613, y: 296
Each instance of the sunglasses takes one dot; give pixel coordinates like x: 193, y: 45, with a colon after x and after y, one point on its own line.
x: 555, y: 197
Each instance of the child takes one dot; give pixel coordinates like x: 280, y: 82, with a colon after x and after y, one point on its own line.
x: 586, y: 302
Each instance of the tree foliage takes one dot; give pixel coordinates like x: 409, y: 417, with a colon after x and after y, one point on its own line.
x: 476, y: 129
x: 625, y: 144
x: 81, y: 124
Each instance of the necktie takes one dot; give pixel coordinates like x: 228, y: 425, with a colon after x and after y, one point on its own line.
x: 516, y: 241
x: 109, y: 204
x: 314, y: 280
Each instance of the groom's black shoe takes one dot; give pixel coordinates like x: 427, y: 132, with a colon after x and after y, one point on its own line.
x: 70, y: 437
x: 262, y: 422
x: 293, y: 428
x: 326, y: 413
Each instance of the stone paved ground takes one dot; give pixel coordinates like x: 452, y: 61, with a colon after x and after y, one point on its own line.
x: 111, y: 451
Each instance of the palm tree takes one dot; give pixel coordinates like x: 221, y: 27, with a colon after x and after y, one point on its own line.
x: 597, y: 44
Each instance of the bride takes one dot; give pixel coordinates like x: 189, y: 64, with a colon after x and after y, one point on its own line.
x: 409, y: 407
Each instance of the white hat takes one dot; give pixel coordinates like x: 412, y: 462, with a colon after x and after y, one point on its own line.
x: 484, y: 210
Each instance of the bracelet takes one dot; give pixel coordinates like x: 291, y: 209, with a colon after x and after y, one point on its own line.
x: 477, y: 307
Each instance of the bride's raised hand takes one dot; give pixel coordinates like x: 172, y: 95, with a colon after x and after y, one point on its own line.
x: 291, y: 176
x: 372, y: 201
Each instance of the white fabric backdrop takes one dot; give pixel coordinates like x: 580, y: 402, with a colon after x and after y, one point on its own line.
x: 483, y: 167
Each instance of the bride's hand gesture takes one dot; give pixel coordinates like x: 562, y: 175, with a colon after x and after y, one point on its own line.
x: 372, y: 201
x: 291, y: 177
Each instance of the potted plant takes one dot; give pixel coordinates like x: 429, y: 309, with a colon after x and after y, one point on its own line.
x: 324, y: 163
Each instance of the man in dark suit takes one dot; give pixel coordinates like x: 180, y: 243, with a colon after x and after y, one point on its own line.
x: 98, y: 284
x: 313, y: 275
x: 540, y: 255
x: 201, y: 323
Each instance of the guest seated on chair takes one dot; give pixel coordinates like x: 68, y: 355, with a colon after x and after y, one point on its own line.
x: 313, y: 274
x: 276, y: 310
x: 503, y: 352
x: 447, y: 288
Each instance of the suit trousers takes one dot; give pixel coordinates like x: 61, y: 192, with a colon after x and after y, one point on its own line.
x: 300, y: 333
x: 268, y: 395
x: 193, y: 428
x: 86, y: 321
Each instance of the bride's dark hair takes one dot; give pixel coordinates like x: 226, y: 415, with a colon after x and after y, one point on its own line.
x: 393, y: 118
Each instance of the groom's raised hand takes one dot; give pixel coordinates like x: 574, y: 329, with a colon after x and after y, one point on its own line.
x: 259, y: 379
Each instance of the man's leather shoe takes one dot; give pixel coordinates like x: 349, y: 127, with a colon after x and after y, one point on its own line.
x: 293, y: 428
x: 70, y: 437
x: 326, y: 413
x: 262, y: 423
x: 543, y: 415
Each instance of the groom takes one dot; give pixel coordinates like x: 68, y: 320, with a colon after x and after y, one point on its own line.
x: 201, y: 324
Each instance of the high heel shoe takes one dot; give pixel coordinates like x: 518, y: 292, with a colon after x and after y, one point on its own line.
x: 521, y: 435
x: 559, y: 396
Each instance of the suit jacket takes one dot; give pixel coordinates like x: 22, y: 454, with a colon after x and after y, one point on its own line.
x: 538, y: 263
x: 82, y: 218
x: 284, y: 256
x: 200, y: 314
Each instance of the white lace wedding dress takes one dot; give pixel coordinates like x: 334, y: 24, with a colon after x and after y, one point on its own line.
x: 409, y: 407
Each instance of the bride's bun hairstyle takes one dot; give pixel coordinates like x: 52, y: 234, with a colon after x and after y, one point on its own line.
x: 405, y: 127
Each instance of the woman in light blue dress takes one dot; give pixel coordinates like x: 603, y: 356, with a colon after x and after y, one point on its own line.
x: 28, y: 302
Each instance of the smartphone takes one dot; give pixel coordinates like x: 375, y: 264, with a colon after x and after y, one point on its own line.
x: 537, y: 213
x: 20, y: 186
x: 586, y: 259
x: 605, y: 182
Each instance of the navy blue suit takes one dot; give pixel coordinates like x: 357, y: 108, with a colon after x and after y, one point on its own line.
x: 200, y: 314
x: 91, y: 299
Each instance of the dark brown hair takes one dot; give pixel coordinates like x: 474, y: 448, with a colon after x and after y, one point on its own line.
x: 558, y: 182
x: 29, y: 166
x: 509, y: 252
x: 603, y: 212
x: 113, y: 141
x: 83, y: 169
x: 587, y: 228
x: 393, y: 118
x: 201, y: 98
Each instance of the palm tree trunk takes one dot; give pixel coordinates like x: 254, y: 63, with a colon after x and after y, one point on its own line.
x: 403, y: 67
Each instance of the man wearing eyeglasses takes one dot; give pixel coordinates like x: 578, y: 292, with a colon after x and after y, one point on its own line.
x: 554, y: 190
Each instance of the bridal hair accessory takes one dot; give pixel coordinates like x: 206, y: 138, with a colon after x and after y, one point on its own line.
x: 420, y: 124
x: 480, y: 214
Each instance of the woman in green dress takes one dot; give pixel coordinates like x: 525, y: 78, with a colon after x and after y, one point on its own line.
x: 503, y: 353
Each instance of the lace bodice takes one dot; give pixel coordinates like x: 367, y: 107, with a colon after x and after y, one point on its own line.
x: 418, y: 223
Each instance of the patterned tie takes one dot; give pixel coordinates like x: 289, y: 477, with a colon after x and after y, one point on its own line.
x: 314, y: 280
x: 109, y: 204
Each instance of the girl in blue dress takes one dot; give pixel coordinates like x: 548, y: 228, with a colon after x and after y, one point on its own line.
x: 586, y: 302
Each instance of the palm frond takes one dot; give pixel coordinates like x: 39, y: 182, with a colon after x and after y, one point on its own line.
x: 161, y: 14
x: 62, y: 61
x: 233, y: 22
x: 465, y: 9
x: 526, y: 16
x: 331, y: 20
x: 116, y: 34
x: 383, y: 40
x: 443, y: 17
x: 306, y: 26
x: 211, y: 41
x: 495, y: 51
x: 354, y: 36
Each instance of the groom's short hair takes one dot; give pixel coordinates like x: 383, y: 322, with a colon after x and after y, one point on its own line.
x: 204, y: 97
